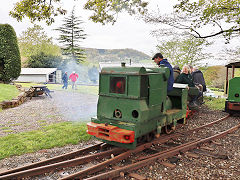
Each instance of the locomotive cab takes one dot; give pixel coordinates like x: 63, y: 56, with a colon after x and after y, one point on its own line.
x: 133, y: 104
x: 232, y: 89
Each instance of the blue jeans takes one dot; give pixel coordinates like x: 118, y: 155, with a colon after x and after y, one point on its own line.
x: 65, y: 85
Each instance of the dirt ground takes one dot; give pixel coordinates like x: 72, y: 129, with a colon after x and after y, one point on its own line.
x: 42, y: 110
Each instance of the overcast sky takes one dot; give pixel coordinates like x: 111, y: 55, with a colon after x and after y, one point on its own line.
x: 127, y: 32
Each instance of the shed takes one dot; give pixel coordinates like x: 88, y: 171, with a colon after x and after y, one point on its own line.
x: 231, y: 65
x: 40, y: 75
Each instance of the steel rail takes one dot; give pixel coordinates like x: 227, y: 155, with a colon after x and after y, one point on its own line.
x: 161, y: 155
x: 167, y: 150
x: 63, y: 164
x: 195, y: 129
x: 207, y: 125
x: 56, y: 159
x: 32, y: 170
x: 120, y: 157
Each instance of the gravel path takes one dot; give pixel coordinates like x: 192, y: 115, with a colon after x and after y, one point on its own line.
x: 42, y: 110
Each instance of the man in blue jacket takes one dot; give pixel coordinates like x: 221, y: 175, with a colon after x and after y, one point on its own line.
x: 65, y: 80
x: 158, y: 59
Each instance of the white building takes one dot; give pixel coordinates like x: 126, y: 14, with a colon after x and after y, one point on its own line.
x: 40, y: 75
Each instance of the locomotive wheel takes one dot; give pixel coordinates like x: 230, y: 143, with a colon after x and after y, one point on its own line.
x: 141, y: 139
x: 170, y: 129
x: 146, y: 138
x: 149, y: 137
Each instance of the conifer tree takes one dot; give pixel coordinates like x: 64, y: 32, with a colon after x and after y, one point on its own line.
x: 10, y: 60
x: 71, y: 35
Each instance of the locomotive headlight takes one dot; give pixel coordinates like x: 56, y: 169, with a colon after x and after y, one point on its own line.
x: 117, y: 113
x: 236, y: 95
x: 127, y: 137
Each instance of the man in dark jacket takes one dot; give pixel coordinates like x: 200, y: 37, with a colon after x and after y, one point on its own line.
x: 65, y: 80
x: 198, y: 78
x: 158, y: 59
x: 176, y: 72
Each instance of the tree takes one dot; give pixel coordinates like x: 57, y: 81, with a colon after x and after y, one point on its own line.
x: 231, y: 54
x: 43, y: 60
x: 215, y: 76
x: 37, y: 10
x: 221, y: 15
x: 34, y: 40
x: 71, y: 35
x: 184, y: 51
x: 10, y: 61
x: 195, y: 17
x: 104, y: 10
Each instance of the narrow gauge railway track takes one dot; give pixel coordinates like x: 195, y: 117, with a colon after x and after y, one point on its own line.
x: 160, y: 156
x: 56, y: 159
x: 62, y: 161
x: 68, y: 161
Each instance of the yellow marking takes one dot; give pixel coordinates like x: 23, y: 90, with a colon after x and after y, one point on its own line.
x: 125, y: 123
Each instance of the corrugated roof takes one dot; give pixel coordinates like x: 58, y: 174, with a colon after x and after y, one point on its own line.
x: 37, y: 70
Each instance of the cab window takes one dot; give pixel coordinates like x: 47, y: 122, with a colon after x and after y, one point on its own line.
x: 117, y: 85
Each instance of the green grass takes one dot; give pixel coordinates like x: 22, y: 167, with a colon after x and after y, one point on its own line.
x: 215, y: 103
x: 4, y: 128
x: 55, y: 135
x: 8, y: 131
x: 52, y: 116
x: 7, y: 92
x: 215, y: 89
x: 16, y: 124
x: 80, y: 88
x: 42, y: 124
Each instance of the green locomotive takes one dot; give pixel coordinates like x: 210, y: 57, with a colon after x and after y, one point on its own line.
x: 134, y: 106
x: 232, y: 104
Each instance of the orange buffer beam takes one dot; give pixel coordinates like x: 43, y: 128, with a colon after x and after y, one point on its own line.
x: 234, y: 106
x: 110, y: 133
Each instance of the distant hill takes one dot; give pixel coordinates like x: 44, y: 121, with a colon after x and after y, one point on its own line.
x: 115, y: 55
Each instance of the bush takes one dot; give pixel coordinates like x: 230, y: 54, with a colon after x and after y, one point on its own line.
x: 43, y: 60
x: 10, y: 60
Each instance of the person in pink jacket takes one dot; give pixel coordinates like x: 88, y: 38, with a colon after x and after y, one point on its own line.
x: 73, y: 77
